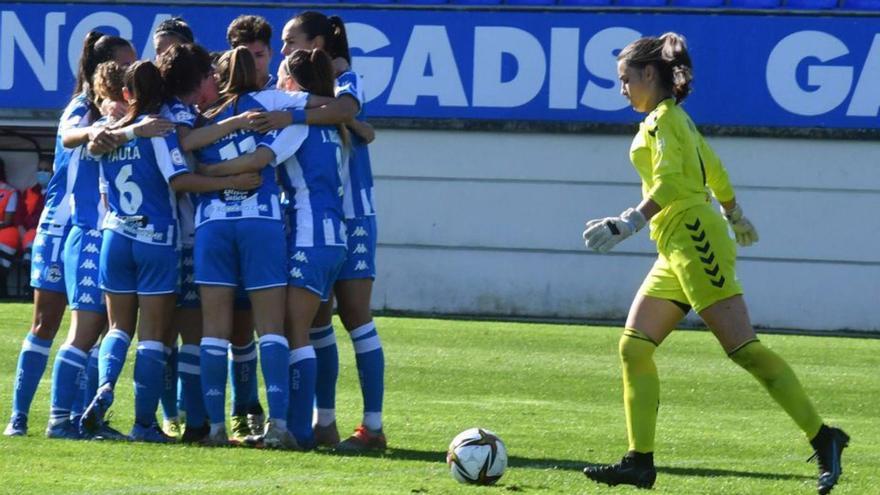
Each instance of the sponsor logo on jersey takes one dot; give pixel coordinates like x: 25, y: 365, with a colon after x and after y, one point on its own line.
x: 88, y: 265
x: 359, y: 232
x: 360, y: 249
x: 86, y: 299
x: 296, y: 273
x: 54, y: 274
x: 87, y: 282
x: 301, y: 257
x: 361, y: 266
x: 91, y: 248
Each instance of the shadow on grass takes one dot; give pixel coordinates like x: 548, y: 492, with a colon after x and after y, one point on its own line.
x: 577, y: 465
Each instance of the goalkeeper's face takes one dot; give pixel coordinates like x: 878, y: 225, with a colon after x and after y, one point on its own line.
x: 636, y: 86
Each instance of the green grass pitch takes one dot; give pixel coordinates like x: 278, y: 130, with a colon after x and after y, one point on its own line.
x: 552, y: 392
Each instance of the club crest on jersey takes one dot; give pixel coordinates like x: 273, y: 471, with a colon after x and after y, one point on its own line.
x: 177, y: 157
x: 53, y: 274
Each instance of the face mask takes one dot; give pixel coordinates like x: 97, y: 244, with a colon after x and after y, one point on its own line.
x: 43, y: 177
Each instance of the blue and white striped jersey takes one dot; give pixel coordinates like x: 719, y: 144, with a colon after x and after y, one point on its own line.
x: 358, y: 176
x: 179, y: 113
x: 56, y: 213
x: 142, y: 205
x: 86, y: 208
x: 263, y: 202
x: 311, y: 178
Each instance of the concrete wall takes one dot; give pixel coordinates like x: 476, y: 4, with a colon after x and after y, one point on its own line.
x: 490, y: 224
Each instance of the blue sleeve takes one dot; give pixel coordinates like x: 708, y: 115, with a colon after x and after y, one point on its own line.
x: 169, y: 158
x: 286, y: 142
x: 76, y: 114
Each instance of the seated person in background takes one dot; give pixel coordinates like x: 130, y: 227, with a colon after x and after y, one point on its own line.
x: 10, y: 241
x: 30, y: 206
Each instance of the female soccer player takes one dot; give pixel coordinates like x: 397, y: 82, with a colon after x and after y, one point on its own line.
x: 170, y: 32
x: 240, y: 236
x: 354, y: 284
x: 47, y: 265
x: 139, y: 264
x: 695, y: 267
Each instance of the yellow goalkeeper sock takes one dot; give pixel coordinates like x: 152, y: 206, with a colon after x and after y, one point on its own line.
x: 779, y: 379
x: 641, y: 389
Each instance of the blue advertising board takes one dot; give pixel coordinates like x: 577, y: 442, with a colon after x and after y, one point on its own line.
x: 750, y: 69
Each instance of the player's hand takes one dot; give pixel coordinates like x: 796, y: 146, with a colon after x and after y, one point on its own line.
x: 103, y: 141
x: 114, y: 109
x: 743, y: 230
x: 153, y: 126
x: 602, y: 234
x: 246, y: 182
x: 269, y: 121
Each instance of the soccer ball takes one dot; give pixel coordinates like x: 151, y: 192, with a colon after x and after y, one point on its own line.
x: 477, y: 456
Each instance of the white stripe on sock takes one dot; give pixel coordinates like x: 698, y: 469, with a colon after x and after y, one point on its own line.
x: 119, y: 334
x: 324, y: 341
x: 151, y: 345
x: 367, y: 345
x: 28, y: 346
x: 240, y: 358
x: 191, y: 349
x: 74, y: 350
x: 215, y: 342
x: 271, y: 338
x: 320, y: 329
x: 188, y: 369
x: 362, y: 330
x: 301, y: 354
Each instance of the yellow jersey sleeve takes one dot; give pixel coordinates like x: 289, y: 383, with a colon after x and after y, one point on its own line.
x: 716, y: 174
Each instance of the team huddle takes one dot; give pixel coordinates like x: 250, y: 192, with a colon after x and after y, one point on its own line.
x: 199, y: 197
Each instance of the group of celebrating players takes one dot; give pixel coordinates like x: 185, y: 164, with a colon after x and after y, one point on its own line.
x: 199, y: 197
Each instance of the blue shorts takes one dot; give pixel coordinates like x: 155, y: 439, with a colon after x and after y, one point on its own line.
x: 188, y: 296
x: 361, y: 259
x: 47, y: 262
x: 130, y: 266
x: 315, y: 268
x: 82, y: 257
x: 252, y: 251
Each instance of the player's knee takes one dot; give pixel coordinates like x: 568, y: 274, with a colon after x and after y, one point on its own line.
x: 747, y: 355
x: 635, y: 346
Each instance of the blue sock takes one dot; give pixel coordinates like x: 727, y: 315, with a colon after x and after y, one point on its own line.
x: 149, y: 375
x: 86, y: 384
x: 274, y: 358
x: 111, y: 357
x: 213, y: 357
x: 31, y: 365
x: 371, y: 372
x: 68, y: 377
x: 324, y: 341
x: 189, y: 369
x: 303, y: 368
x: 169, y: 389
x: 243, y: 373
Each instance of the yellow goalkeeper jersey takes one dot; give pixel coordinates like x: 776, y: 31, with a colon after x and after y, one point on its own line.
x: 677, y: 167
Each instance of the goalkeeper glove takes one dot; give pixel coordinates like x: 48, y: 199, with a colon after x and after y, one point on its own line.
x: 602, y: 234
x: 743, y: 230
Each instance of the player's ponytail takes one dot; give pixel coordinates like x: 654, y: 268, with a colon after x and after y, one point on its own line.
x: 675, y: 54
x: 668, y: 54
x: 313, y: 72
x: 337, y: 39
x: 146, y: 89
x: 184, y: 67
x: 238, y: 76
x: 87, y: 63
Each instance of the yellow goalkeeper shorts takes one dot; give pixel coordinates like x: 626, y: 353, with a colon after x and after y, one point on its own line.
x: 696, y: 262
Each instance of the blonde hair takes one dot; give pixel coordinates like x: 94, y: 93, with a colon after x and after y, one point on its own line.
x: 108, y: 81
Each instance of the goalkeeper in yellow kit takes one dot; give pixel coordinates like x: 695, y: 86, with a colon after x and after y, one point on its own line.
x: 695, y: 266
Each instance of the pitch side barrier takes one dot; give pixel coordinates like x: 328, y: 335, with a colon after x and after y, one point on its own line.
x: 758, y: 73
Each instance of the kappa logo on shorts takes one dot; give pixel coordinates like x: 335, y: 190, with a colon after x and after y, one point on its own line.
x: 54, y: 274
x: 360, y: 249
x: 359, y: 231
x: 274, y: 389
x: 35, y: 274
x: 361, y: 266
x: 189, y: 279
x: 296, y: 273
x: 190, y: 296
x: 86, y: 299
x: 707, y: 257
x: 213, y: 393
x: 87, y: 282
x: 38, y: 258
x: 188, y: 261
x: 93, y: 233
x: 91, y: 248
x: 88, y: 265
x: 301, y: 257
x: 39, y: 241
